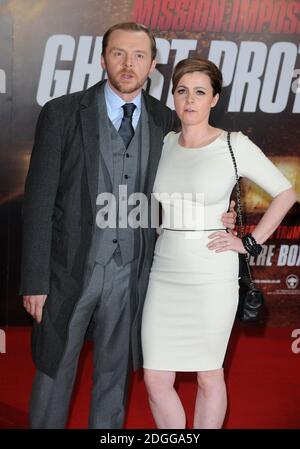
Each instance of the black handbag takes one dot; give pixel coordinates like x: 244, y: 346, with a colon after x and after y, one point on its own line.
x: 251, y: 300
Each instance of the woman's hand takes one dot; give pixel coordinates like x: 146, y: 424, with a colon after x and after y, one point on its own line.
x: 225, y: 241
x: 229, y: 218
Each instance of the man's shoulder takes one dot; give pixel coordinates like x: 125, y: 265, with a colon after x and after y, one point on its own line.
x: 155, y: 104
x: 73, y: 100
x: 165, y: 117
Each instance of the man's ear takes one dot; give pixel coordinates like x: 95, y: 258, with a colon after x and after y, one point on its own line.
x: 152, y: 67
x: 103, y: 63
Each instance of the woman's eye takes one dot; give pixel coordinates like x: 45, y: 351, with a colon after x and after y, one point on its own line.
x: 181, y: 91
x: 200, y: 92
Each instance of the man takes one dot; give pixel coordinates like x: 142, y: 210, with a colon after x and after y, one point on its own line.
x: 75, y: 274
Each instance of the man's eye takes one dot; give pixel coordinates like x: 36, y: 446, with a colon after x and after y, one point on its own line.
x: 140, y: 56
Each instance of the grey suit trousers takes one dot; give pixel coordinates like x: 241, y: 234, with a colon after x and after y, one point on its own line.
x: 106, y: 297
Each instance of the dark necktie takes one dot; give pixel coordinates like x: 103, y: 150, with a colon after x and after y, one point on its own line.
x: 126, y: 130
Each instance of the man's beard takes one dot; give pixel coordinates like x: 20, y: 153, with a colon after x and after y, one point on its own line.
x: 121, y: 87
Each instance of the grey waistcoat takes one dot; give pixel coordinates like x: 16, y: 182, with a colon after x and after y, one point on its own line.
x: 118, y: 166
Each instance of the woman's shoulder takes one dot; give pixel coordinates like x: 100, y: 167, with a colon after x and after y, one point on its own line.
x: 244, y: 147
x: 238, y: 135
x: 171, y: 138
x: 239, y: 140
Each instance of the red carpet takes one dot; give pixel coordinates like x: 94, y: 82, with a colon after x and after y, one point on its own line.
x: 262, y: 372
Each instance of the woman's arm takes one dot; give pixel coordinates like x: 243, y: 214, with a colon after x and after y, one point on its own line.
x: 255, y: 166
x: 271, y: 219
x: 273, y: 216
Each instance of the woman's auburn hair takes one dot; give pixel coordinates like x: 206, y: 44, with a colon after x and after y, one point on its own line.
x: 197, y: 64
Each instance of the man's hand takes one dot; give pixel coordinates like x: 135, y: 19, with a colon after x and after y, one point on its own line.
x: 34, y: 305
x: 229, y: 218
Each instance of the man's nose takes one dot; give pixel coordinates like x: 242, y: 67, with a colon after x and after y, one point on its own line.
x: 128, y: 61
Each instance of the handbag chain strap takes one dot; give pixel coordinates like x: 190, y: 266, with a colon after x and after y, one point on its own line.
x: 239, y: 204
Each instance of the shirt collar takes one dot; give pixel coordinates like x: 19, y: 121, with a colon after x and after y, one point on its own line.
x: 114, y: 102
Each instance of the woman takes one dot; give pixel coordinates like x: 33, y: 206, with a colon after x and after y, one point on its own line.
x: 192, y: 295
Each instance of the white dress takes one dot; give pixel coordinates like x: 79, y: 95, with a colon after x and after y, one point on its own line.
x: 192, y: 294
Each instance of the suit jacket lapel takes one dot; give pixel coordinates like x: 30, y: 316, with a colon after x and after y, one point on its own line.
x: 156, y: 138
x: 105, y: 141
x: 90, y: 132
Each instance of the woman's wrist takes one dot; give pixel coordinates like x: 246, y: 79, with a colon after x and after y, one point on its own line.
x: 242, y: 248
x: 251, y: 246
